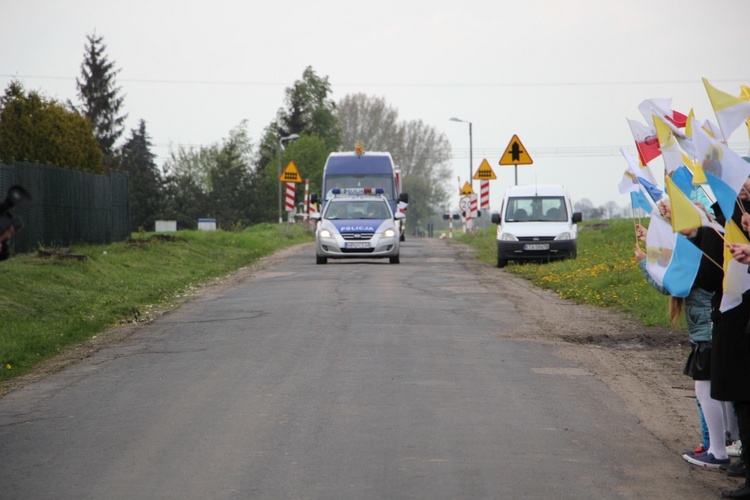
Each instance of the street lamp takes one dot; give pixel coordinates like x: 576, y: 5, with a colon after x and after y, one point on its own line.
x: 471, y: 151
x: 281, y: 146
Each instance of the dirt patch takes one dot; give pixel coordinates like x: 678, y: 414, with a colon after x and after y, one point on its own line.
x: 641, y: 364
x: 164, y: 238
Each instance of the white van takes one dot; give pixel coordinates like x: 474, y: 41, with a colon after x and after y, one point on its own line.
x: 537, y: 222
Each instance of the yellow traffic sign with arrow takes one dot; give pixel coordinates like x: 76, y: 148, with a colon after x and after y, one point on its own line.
x: 516, y: 154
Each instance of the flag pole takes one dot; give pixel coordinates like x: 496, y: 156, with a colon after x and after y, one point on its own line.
x: 712, y: 261
x: 739, y: 203
x: 720, y: 235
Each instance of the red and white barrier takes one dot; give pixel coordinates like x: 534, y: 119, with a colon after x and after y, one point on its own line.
x: 484, y: 195
x: 290, y: 196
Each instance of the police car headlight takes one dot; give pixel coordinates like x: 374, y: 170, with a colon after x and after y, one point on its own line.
x: 389, y: 233
x: 325, y: 233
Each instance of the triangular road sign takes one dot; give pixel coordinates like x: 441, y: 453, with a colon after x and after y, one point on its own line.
x: 466, y: 189
x: 485, y: 172
x: 516, y: 154
x: 290, y: 174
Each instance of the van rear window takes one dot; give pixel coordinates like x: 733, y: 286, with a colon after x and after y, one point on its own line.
x: 536, y: 209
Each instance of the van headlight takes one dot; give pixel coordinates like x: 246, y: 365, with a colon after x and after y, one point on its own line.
x: 564, y: 236
x: 325, y: 233
x: 508, y: 237
x: 389, y: 233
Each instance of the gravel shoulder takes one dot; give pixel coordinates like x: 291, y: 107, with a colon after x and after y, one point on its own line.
x: 641, y: 364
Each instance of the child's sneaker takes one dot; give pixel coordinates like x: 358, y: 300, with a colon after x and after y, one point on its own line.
x: 706, y: 460
x: 734, y: 449
x: 698, y: 450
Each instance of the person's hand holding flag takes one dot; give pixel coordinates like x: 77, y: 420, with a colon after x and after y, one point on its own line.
x: 740, y: 252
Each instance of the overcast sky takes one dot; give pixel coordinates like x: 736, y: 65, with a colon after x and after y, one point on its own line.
x: 562, y: 75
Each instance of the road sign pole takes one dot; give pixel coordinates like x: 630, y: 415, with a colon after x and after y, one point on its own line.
x: 516, y: 168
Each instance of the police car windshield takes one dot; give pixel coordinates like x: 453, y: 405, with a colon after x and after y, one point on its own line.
x: 357, y: 209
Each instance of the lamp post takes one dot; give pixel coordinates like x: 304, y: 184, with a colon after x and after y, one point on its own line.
x: 290, y: 137
x: 471, y: 151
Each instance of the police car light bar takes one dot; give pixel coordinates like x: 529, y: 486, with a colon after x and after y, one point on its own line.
x: 358, y: 191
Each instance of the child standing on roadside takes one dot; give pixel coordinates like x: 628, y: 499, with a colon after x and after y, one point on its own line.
x: 697, y: 307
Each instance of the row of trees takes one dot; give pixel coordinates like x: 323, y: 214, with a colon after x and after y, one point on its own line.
x: 232, y: 179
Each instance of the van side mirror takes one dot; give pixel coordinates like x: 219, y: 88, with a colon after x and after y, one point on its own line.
x: 403, y: 197
x: 577, y: 217
x: 496, y: 218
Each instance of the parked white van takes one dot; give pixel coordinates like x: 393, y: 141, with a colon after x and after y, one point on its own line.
x: 536, y: 222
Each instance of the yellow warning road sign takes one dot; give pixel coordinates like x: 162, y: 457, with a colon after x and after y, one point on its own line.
x: 485, y: 172
x: 290, y: 174
x: 516, y: 154
x: 466, y: 189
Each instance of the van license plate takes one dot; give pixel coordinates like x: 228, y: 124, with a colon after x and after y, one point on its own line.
x: 362, y: 244
x: 536, y: 246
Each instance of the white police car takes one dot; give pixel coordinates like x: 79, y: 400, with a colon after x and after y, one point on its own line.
x: 357, y: 224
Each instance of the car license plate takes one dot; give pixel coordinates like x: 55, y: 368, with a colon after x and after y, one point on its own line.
x: 358, y: 244
x: 536, y: 246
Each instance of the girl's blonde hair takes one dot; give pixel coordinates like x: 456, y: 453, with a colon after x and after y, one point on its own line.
x: 675, y: 310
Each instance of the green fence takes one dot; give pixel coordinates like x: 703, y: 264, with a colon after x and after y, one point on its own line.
x: 69, y: 206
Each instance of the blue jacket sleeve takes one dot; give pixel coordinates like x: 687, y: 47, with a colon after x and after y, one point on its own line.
x: 659, y: 288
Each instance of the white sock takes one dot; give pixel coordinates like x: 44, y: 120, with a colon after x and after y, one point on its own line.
x: 713, y: 412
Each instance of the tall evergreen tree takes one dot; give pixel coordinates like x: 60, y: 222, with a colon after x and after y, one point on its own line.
x: 145, y: 181
x: 101, y: 97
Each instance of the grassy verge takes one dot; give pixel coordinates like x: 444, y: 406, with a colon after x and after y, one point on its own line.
x: 604, y: 274
x: 49, y: 303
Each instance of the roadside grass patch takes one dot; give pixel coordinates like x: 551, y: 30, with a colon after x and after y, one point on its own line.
x: 49, y: 303
x: 605, y: 273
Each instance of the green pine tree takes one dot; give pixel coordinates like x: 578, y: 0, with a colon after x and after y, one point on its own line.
x: 101, y: 98
x: 145, y: 180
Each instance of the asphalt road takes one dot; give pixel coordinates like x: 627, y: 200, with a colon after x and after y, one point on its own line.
x: 355, y: 379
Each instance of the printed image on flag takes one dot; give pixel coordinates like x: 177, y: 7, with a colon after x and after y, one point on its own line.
x: 726, y: 171
x: 672, y: 260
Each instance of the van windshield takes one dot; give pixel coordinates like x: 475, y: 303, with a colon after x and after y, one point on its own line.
x: 536, y: 209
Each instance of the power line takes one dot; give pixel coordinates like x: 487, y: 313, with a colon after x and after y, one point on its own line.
x: 390, y: 84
